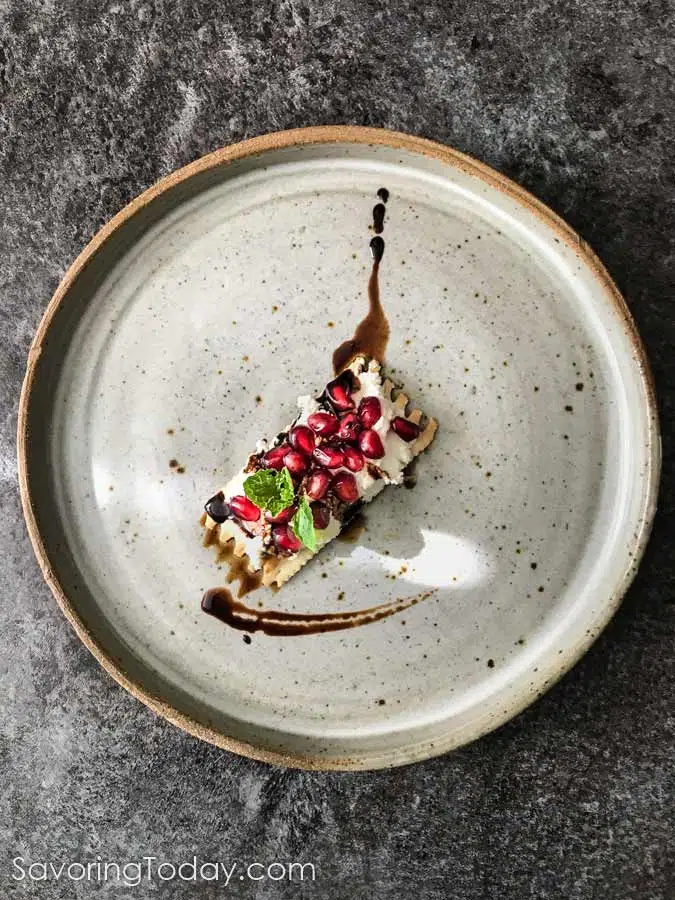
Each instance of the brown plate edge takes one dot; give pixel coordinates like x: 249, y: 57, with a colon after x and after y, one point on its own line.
x: 329, y: 134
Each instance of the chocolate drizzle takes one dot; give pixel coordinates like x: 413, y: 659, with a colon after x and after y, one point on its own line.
x: 220, y: 603
x: 372, y: 334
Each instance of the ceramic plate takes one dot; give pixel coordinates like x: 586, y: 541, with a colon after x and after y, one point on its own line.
x: 186, y: 330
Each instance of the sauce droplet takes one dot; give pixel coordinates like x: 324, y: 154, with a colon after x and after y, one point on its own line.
x: 383, y: 194
x: 378, y: 218
x: 377, y: 249
x: 217, y: 508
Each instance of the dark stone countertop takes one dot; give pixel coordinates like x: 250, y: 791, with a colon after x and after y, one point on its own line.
x: 575, y: 798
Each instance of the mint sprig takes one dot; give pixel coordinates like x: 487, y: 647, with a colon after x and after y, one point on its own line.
x: 302, y: 524
x: 270, y: 490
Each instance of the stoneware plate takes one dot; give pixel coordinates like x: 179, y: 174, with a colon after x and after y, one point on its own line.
x: 186, y: 330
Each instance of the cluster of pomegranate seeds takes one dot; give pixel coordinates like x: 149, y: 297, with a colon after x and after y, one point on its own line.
x: 352, y: 429
x: 341, y: 437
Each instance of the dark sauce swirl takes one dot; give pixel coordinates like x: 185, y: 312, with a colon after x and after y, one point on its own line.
x: 220, y: 603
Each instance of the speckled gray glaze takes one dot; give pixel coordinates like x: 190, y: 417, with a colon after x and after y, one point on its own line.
x: 529, y: 508
x: 575, y: 798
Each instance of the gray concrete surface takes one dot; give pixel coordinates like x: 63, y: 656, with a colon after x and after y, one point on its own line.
x: 573, y: 799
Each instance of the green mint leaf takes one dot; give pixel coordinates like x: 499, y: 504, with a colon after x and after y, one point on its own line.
x: 302, y: 524
x: 270, y: 490
x: 261, y: 487
x: 287, y: 489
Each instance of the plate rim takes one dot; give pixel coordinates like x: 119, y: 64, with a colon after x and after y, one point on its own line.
x: 318, y: 135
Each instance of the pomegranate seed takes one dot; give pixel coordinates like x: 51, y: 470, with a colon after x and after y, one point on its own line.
x: 370, y: 411
x: 317, y: 484
x: 353, y: 459
x: 371, y: 444
x: 405, y: 429
x: 323, y: 423
x: 295, y: 462
x: 302, y: 438
x: 284, y: 516
x: 321, y: 515
x: 340, y: 391
x: 344, y: 485
x: 244, y: 509
x: 274, y: 458
x: 285, y: 540
x: 350, y: 425
x: 330, y: 457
